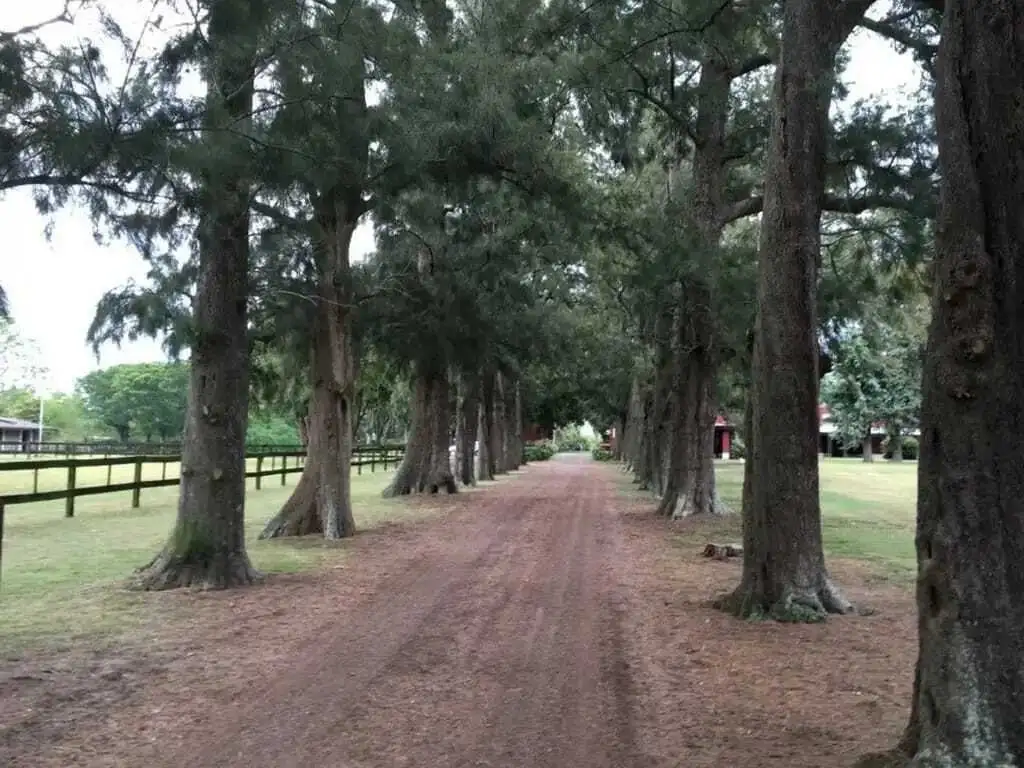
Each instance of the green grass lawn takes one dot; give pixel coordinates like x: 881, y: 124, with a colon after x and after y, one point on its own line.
x: 868, y: 511
x: 52, y: 479
x: 62, y: 578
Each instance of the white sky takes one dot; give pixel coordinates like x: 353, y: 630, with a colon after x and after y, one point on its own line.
x: 54, y: 285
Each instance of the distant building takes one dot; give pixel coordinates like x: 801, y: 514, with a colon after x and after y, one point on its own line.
x: 17, y: 435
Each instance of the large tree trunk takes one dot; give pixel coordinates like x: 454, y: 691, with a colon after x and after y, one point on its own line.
x: 784, y: 573
x: 867, y: 449
x: 515, y: 428
x: 968, y: 702
x: 618, y: 432
x: 322, y: 499
x: 643, y: 471
x: 207, y: 545
x: 690, y: 484
x: 691, y: 489
x: 499, y: 426
x: 467, y: 428
x: 426, y: 465
x: 485, y: 458
x: 658, y: 436
x: 896, y: 442
x: 633, y: 429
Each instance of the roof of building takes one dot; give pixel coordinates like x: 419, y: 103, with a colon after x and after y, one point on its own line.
x: 8, y: 423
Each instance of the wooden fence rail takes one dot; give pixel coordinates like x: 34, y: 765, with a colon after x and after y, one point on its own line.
x: 282, y: 462
x: 114, y: 448
x: 363, y: 456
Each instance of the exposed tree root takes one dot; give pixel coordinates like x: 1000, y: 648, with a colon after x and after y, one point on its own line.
x: 796, y: 605
x: 299, y: 515
x: 407, y: 486
x: 198, y: 570
x: 677, y: 506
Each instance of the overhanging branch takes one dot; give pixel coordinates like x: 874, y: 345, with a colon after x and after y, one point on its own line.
x: 834, y: 204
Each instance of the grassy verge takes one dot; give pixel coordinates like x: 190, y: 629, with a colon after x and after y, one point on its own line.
x: 62, y: 577
x: 868, y: 513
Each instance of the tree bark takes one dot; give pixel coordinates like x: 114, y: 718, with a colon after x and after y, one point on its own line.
x: 426, y: 465
x: 485, y: 457
x: 207, y: 545
x: 633, y: 431
x: 784, y: 574
x: 658, y: 437
x: 499, y: 429
x: 467, y: 429
x: 689, y: 487
x: 867, y: 449
x: 515, y: 427
x: 644, y: 473
x: 968, y: 705
x: 619, y: 429
x: 896, y: 441
x: 322, y: 499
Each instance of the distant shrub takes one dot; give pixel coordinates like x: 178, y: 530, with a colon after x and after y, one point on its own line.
x: 910, y: 448
x: 570, y: 439
x: 602, y: 454
x: 538, y: 451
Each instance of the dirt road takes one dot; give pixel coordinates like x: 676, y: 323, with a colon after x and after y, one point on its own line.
x: 495, y: 642
x: 546, y: 622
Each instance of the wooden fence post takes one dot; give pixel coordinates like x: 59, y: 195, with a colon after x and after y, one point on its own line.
x: 259, y: 472
x: 69, y: 502
x: 137, y: 491
x: 284, y: 469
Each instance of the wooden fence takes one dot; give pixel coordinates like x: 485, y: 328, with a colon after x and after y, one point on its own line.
x: 114, y: 448
x: 372, y: 457
x: 277, y: 463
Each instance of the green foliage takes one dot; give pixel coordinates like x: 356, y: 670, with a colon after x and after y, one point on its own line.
x: 19, y: 403
x: 876, y: 375
x: 602, y: 454
x: 737, y: 448
x: 382, y: 400
x: 21, y: 363
x: 144, y: 401
x: 541, y: 451
x: 909, y: 446
x: 271, y: 429
x: 570, y: 439
x: 65, y: 417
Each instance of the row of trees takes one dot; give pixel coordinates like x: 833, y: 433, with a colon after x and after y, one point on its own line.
x: 563, y: 197
x: 140, y: 402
